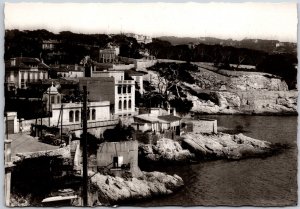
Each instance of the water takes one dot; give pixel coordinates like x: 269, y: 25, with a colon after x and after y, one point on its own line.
x: 270, y: 181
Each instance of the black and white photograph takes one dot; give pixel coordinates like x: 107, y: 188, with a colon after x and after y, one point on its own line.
x: 150, y: 104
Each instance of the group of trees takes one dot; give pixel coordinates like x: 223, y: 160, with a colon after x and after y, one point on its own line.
x: 70, y: 49
x: 167, y: 89
x: 281, y: 64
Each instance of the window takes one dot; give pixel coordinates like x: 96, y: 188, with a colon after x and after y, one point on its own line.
x: 71, y: 116
x: 119, y: 89
x: 129, y: 89
x: 120, y: 104
x: 125, y: 104
x: 58, y: 99
x: 77, y: 115
x: 129, y: 104
x: 52, y: 100
x: 93, y: 114
x: 124, y: 89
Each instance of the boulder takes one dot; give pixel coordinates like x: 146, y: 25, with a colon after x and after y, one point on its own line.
x: 112, y: 190
x: 225, y: 145
x: 165, y: 150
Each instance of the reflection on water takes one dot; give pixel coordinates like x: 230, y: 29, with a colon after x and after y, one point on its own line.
x: 270, y: 181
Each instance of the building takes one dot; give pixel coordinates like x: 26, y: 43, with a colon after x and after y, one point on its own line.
x: 140, y: 38
x: 158, y: 121
x: 125, y: 97
x: 118, y: 157
x: 50, y: 44
x: 108, y: 55
x: 50, y: 97
x: 137, y: 77
x: 99, y: 89
x: 69, y: 71
x: 20, y: 71
x: 124, y: 90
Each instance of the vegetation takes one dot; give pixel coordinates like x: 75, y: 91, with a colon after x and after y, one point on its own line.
x: 168, y: 89
x: 71, y: 47
x: 119, y: 133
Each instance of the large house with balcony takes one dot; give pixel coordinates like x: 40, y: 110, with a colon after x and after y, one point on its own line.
x: 20, y: 71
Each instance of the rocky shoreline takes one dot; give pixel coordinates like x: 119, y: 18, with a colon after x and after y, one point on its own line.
x: 110, y: 190
x: 195, y: 147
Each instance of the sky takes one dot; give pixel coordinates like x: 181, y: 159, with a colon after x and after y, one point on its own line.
x: 222, y: 20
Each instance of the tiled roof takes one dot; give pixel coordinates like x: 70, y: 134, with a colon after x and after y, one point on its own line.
x: 25, y: 62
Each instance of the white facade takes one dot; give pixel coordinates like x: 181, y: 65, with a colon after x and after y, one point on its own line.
x: 18, y: 74
x: 71, y: 112
x: 139, y: 80
x: 124, y: 97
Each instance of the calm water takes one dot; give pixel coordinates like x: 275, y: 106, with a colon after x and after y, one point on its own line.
x: 270, y: 181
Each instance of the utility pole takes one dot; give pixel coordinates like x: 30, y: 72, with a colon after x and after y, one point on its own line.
x: 61, y: 122
x: 49, y: 106
x: 84, y: 150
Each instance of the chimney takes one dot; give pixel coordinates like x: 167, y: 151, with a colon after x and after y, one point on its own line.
x: 13, y: 61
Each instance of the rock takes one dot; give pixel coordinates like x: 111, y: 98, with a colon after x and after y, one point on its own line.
x: 165, y: 150
x: 150, y: 184
x: 225, y: 145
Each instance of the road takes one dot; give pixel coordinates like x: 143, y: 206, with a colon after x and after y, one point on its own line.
x: 22, y: 142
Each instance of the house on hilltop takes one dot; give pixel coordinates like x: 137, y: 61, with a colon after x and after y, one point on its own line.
x: 20, y: 71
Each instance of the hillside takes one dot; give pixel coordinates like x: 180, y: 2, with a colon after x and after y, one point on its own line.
x: 226, y: 92
x: 269, y: 46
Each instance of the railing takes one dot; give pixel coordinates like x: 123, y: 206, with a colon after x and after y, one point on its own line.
x: 93, y: 124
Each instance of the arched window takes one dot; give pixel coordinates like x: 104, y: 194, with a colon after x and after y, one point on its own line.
x: 77, y: 115
x: 93, y: 114
x: 119, y: 89
x: 124, y: 89
x: 120, y: 105
x: 129, y: 104
x: 125, y: 104
x: 71, y: 116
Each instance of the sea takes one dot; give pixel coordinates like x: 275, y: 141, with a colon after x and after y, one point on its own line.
x: 268, y: 181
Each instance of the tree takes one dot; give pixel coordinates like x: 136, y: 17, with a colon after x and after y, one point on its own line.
x: 281, y: 65
x: 119, y: 133
x: 182, y: 106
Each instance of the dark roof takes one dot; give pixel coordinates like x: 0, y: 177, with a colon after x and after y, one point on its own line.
x: 134, y: 73
x: 25, y: 62
x: 67, y: 68
x: 169, y: 118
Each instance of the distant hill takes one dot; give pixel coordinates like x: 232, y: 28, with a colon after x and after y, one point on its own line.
x: 270, y: 46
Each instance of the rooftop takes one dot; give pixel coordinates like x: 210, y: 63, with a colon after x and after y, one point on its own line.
x: 169, y: 118
x: 25, y: 62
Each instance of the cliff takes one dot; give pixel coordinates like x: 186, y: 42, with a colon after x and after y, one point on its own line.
x: 260, y: 102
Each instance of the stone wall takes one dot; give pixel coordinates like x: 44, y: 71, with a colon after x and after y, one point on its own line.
x: 205, y: 126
